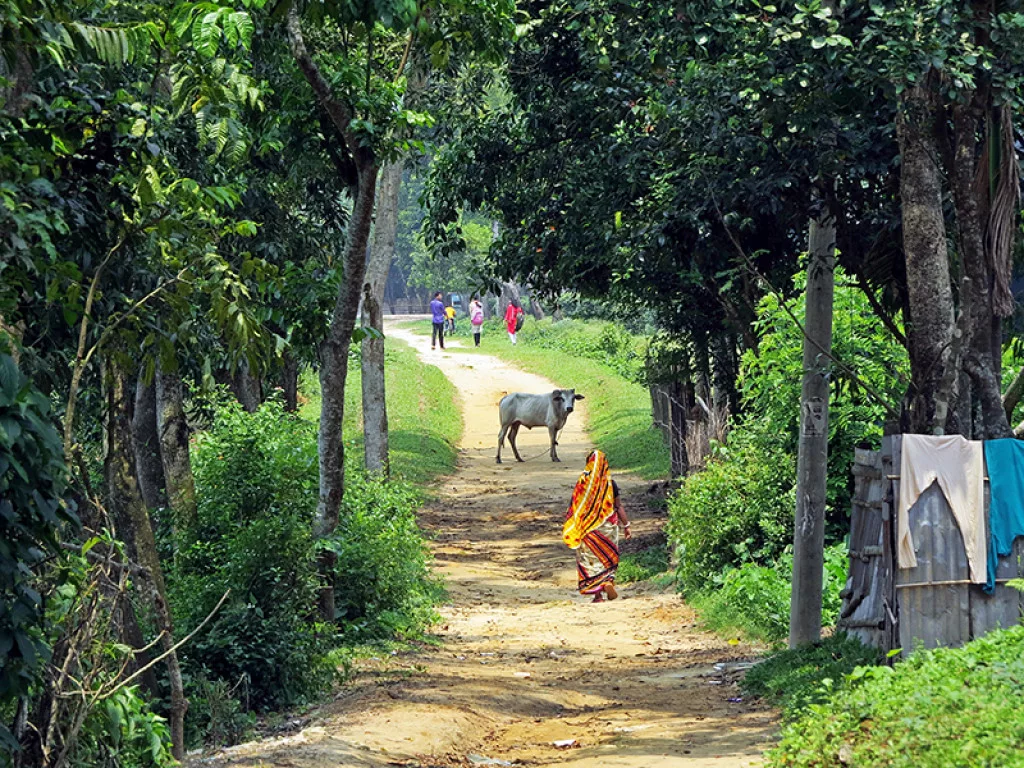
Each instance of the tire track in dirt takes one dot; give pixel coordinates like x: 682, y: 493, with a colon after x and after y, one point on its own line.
x: 524, y: 661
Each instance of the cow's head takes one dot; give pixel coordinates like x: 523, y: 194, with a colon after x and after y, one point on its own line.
x: 565, y: 399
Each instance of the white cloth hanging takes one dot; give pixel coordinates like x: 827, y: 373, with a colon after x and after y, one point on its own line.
x: 958, y: 466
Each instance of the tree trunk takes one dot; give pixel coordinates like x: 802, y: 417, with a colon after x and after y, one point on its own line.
x: 812, y: 456
x: 679, y: 411
x: 333, y: 372
x: 246, y: 387
x: 128, y: 506
x: 488, y: 308
x: 358, y: 171
x: 980, y: 357
x: 703, y: 369
x: 509, y: 293
x: 930, y: 326
x: 375, y: 412
x: 535, y: 308
x: 290, y: 381
x: 146, y: 443
x: 173, y: 428
x: 724, y: 374
x: 131, y: 635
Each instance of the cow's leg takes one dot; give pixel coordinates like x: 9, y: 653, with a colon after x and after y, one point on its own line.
x: 554, y: 441
x: 512, y: 440
x: 501, y: 441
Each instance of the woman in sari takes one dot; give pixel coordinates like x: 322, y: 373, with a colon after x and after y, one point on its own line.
x: 592, y: 528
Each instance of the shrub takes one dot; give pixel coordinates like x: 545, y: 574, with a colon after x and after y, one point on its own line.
x: 754, y: 599
x: 383, y: 585
x: 257, y: 488
x: 945, y: 707
x: 217, y: 712
x: 796, y: 678
x: 122, y: 732
x: 738, y: 510
x: 32, y: 482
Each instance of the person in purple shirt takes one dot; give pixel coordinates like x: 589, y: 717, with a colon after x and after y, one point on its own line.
x: 437, y: 317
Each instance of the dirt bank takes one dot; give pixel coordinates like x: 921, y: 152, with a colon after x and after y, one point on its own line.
x: 524, y: 662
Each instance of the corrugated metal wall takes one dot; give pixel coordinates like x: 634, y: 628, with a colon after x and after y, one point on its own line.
x: 933, y: 604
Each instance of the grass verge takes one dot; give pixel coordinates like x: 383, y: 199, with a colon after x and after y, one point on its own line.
x: 793, y: 679
x: 945, y: 707
x: 424, y: 418
x: 647, y: 564
x: 618, y: 410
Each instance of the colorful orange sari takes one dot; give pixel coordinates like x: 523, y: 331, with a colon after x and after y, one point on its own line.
x: 591, y: 526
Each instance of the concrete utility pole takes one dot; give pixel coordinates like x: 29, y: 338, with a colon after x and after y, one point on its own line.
x: 812, y: 460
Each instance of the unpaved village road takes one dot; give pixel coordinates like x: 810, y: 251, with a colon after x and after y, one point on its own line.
x: 525, y: 661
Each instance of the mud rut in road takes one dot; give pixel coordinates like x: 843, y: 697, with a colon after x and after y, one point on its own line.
x: 524, y: 660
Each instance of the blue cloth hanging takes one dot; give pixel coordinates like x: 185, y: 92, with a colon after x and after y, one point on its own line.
x: 1005, y: 460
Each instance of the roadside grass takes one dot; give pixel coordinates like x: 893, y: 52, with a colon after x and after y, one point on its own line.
x: 795, y: 678
x: 941, y: 707
x: 424, y: 418
x: 618, y: 410
x: 650, y: 564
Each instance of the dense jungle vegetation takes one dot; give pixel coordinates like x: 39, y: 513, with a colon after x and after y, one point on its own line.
x: 203, y: 203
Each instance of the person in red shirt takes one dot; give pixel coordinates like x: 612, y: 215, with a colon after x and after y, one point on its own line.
x: 513, y: 320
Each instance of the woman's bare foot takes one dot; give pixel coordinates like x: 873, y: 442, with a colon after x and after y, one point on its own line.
x: 598, y: 598
x: 609, y: 589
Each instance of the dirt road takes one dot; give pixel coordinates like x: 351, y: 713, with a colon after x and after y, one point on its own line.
x: 524, y: 661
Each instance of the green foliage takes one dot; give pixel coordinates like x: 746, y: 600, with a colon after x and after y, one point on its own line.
x: 770, y: 381
x: 793, y: 679
x: 754, y: 599
x: 217, y: 712
x: 32, y: 481
x: 944, y: 707
x: 738, y: 510
x: 382, y: 584
x: 122, y: 732
x: 632, y: 133
x: 256, y: 484
x: 643, y: 565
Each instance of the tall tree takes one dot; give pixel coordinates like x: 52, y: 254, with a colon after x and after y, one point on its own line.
x: 375, y: 413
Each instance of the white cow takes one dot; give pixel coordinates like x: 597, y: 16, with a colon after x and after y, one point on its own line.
x: 521, y: 410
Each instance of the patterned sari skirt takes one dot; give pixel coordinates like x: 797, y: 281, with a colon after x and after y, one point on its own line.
x: 597, y: 558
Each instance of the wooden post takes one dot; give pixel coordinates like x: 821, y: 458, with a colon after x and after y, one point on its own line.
x: 678, y: 411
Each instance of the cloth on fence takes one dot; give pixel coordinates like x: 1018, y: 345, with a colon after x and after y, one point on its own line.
x: 1005, y: 460
x: 958, y: 466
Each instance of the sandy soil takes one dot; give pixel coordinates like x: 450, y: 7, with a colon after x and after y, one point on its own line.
x: 524, y: 661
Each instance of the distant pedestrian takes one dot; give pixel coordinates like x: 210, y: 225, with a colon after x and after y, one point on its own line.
x: 449, y: 314
x: 437, y: 318
x: 476, y: 319
x: 513, y: 319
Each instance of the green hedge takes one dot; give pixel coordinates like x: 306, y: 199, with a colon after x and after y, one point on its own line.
x: 946, y: 707
x: 257, y: 486
x: 738, y: 510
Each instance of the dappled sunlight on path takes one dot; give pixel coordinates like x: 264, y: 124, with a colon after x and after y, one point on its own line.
x: 524, y: 661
